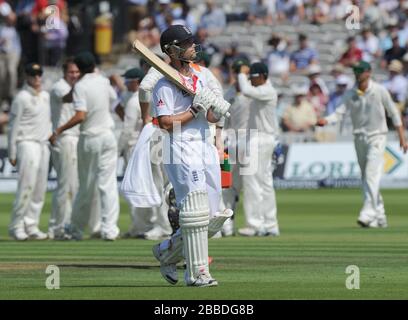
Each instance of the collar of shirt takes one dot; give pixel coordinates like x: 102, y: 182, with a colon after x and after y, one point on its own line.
x: 362, y: 93
x: 31, y: 90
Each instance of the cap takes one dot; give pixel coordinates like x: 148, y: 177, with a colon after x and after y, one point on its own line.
x: 314, y: 69
x: 361, y: 67
x: 236, y: 65
x: 134, y: 73
x: 204, y: 56
x: 84, y: 60
x: 342, y: 80
x: 174, y: 34
x: 338, y: 67
x: 33, y: 69
x: 257, y: 69
x: 395, y: 66
x: 300, y: 90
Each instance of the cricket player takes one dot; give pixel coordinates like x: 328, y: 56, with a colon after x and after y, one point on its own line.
x: 193, y: 167
x: 238, y: 122
x: 30, y: 127
x: 97, y: 149
x: 64, y: 153
x: 368, y: 103
x: 259, y: 194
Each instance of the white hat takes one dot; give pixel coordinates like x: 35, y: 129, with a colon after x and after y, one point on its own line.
x: 300, y: 90
x: 405, y: 57
x: 314, y: 69
x: 342, y: 80
x: 164, y: 1
x: 395, y: 66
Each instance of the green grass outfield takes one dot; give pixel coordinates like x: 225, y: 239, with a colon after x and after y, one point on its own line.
x: 319, y: 239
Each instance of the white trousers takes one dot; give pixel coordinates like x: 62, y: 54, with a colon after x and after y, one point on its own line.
x: 195, y: 166
x: 32, y: 164
x: 97, y: 160
x: 370, y: 156
x: 259, y: 194
x: 65, y: 162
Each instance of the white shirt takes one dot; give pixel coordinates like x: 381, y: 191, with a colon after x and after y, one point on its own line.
x: 30, y: 118
x: 94, y: 95
x: 368, y: 110
x: 239, y: 109
x: 398, y: 86
x: 262, y: 113
x: 62, y: 112
x: 132, y: 122
x: 169, y: 100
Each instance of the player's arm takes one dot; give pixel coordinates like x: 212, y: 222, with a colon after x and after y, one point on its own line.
x: 167, y: 122
x: 81, y: 110
x: 395, y: 116
x: 260, y: 93
x: 14, y: 124
x: 120, y: 111
x: 145, y: 93
x: 334, y: 117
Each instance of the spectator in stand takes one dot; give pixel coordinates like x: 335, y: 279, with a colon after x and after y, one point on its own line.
x: 393, y: 30
x: 182, y: 15
x: 320, y: 11
x: 147, y: 33
x: 162, y: 11
x: 201, y: 38
x: 259, y: 13
x: 397, y: 84
x: 230, y: 55
x: 335, y: 98
x: 405, y: 63
x: 338, y: 9
x: 370, y: 45
x: 300, y: 116
x: 373, y: 16
x: 318, y: 99
x: 10, y: 52
x: 278, y: 59
x: 303, y: 57
x: 214, y: 19
x: 313, y: 74
x: 352, y: 55
x: 396, y: 52
x: 337, y: 71
x: 292, y: 10
x: 137, y: 10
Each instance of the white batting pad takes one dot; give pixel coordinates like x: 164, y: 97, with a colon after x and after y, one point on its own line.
x: 194, y: 219
x: 171, y: 250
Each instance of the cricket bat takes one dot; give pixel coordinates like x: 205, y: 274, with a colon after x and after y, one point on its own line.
x: 166, y: 70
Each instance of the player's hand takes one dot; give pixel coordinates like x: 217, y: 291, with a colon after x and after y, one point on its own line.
x: 53, y: 138
x: 13, y: 162
x: 321, y: 122
x: 404, y: 146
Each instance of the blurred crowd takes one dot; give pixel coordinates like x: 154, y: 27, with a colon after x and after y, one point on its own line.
x: 381, y: 40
